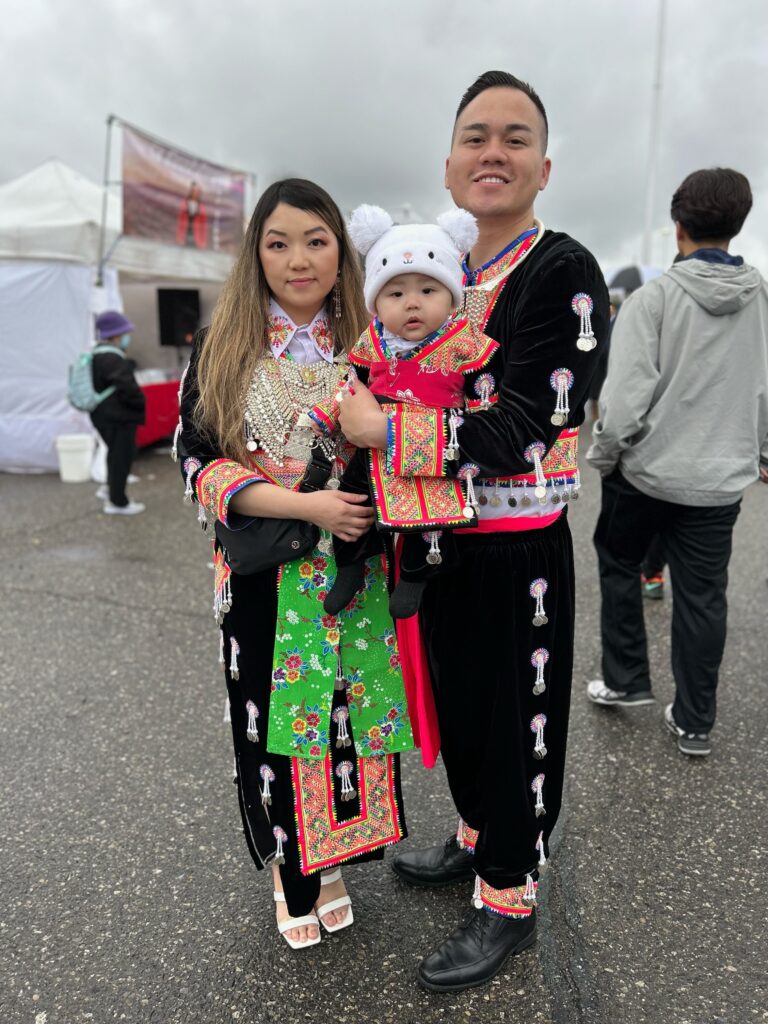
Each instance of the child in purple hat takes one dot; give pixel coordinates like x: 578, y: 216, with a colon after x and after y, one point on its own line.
x: 118, y: 416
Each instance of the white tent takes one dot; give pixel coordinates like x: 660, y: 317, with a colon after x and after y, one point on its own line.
x: 50, y: 224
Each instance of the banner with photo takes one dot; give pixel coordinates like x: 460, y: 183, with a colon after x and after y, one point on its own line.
x: 173, y: 197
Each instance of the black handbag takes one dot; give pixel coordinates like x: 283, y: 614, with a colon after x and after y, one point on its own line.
x: 264, y: 543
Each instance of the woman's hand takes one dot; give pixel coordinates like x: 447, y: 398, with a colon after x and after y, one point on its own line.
x: 361, y: 419
x: 345, y: 515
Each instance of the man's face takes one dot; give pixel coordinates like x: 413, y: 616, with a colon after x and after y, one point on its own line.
x: 497, y: 163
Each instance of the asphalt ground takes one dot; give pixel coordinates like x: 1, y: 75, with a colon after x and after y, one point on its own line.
x: 126, y: 891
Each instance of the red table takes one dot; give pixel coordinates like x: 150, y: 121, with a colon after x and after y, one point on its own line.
x: 162, y: 412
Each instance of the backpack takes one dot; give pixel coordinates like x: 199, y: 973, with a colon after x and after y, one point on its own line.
x: 80, y: 391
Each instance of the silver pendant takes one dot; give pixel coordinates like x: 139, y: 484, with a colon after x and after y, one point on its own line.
x: 538, y: 689
x: 584, y: 344
x: 433, y: 558
x: 574, y: 495
x: 252, y: 445
x: 467, y: 511
x: 495, y: 501
x: 540, y: 491
x: 525, y: 500
x: 558, y: 419
x: 540, y: 811
x: 540, y: 754
x: 538, y: 620
x: 451, y: 454
x: 512, y: 502
x: 333, y: 484
x: 483, y: 500
x: 555, y: 498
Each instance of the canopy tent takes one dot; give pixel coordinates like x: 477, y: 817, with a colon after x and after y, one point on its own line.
x: 50, y: 225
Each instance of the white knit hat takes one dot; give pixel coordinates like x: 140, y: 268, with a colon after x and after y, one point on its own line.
x: 431, y: 249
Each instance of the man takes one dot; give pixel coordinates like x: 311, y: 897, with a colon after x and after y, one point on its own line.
x: 118, y: 416
x: 499, y: 629
x: 683, y: 427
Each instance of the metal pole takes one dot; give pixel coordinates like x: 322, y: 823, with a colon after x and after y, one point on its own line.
x: 650, y: 183
x: 104, y: 201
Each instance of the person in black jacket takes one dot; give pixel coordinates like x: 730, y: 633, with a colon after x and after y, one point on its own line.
x: 118, y: 416
x: 498, y: 630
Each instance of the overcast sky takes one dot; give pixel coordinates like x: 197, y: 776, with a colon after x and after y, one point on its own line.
x: 360, y: 96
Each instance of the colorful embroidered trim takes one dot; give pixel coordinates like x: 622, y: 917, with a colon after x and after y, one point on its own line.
x: 502, y: 260
x: 458, y: 347
x: 418, y: 441
x: 507, y: 902
x: 414, y: 502
x: 466, y: 836
x: 323, y: 840
x: 218, y: 481
x: 308, y: 646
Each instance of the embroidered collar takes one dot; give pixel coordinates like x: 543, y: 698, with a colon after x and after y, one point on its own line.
x: 281, y: 331
x: 498, y: 263
x: 386, y: 336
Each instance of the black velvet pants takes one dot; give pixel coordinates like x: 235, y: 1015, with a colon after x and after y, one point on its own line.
x: 120, y: 439
x: 477, y: 621
x: 697, y: 544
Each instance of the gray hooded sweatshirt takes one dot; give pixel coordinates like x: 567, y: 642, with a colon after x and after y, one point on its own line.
x: 684, y: 408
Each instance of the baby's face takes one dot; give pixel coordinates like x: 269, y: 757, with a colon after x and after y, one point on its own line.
x: 413, y: 305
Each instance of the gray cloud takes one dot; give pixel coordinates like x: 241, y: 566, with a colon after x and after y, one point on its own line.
x: 361, y: 97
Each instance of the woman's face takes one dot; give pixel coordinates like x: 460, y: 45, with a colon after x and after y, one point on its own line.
x: 300, y: 257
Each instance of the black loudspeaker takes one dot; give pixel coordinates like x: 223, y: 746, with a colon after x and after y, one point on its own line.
x: 179, y: 315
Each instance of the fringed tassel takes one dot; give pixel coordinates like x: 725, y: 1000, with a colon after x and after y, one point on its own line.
x: 561, y: 381
x: 537, y: 787
x: 221, y: 646
x: 340, y: 682
x: 234, y: 650
x: 537, y: 590
x: 467, y: 473
x: 455, y: 420
x: 222, y: 600
x: 343, y: 772
x: 175, y: 443
x: 576, y: 486
x: 341, y: 717
x: 537, y: 726
x: 534, y: 453
x: 227, y: 711
x: 476, y: 900
x: 540, y: 848
x: 434, y: 557
x: 460, y: 834
x: 582, y: 305
x: 202, y: 518
x: 252, y: 729
x: 281, y: 838
x: 539, y: 659
x: 267, y: 776
x: 529, y: 896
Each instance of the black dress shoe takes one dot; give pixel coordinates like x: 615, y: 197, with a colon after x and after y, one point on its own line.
x: 437, y: 865
x: 476, y: 951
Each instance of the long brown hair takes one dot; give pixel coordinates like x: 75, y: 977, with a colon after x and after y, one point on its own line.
x: 237, y: 337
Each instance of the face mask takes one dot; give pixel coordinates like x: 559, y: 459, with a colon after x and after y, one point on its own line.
x: 125, y: 341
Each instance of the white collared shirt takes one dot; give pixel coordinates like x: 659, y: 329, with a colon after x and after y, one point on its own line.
x: 306, y: 343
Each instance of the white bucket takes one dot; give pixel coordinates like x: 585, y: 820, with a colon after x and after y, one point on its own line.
x: 75, y: 453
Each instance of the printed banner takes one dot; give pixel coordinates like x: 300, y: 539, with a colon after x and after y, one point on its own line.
x: 173, y: 197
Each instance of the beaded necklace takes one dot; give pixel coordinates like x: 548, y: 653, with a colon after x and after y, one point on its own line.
x: 480, y: 298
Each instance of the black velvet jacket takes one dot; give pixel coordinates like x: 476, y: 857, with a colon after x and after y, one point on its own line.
x: 537, y: 329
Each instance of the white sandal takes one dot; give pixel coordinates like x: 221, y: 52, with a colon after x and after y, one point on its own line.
x: 296, y: 922
x: 338, y: 904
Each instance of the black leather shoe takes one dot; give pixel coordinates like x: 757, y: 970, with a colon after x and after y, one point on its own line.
x: 476, y: 951
x: 437, y: 865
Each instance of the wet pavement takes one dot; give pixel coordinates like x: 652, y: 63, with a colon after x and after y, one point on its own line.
x: 126, y: 892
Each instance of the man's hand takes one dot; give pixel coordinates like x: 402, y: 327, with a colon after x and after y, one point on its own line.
x: 362, y: 420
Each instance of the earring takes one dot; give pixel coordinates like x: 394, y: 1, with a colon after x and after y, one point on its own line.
x: 337, y: 298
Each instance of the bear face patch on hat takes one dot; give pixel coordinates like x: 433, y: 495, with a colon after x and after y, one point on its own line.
x: 390, y: 249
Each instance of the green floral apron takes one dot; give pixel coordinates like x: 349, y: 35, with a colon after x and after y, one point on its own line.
x: 315, y: 652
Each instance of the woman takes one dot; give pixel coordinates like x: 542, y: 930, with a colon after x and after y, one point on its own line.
x: 317, y: 702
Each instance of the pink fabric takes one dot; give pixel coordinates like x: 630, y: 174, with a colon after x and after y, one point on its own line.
x: 406, y: 381
x: 418, y: 684
x: 511, y: 524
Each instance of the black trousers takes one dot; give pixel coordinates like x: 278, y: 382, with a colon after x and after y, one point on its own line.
x: 655, y: 559
x: 697, y: 544
x: 120, y: 439
x: 482, y: 644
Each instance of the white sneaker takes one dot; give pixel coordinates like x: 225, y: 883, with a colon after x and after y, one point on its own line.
x: 599, y: 693
x: 133, y: 479
x: 131, y: 509
x: 103, y: 493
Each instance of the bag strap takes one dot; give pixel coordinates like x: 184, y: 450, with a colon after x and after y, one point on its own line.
x: 318, y: 470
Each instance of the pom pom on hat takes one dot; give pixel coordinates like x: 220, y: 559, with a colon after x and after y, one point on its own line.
x: 461, y: 228
x: 366, y: 226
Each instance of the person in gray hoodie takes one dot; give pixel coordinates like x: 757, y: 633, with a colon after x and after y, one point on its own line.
x: 682, y: 431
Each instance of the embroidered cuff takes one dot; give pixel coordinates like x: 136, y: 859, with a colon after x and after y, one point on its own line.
x: 517, y: 901
x: 218, y: 481
x: 323, y: 418
x: 416, y: 441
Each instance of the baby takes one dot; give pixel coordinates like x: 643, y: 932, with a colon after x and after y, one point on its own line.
x: 416, y: 350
